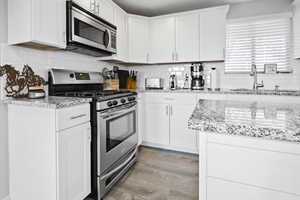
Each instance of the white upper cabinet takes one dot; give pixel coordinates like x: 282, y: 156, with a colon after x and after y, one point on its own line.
x: 296, y: 21
x: 105, y: 9
x: 138, y: 28
x: 162, y: 40
x: 102, y: 8
x: 121, y: 21
x: 187, y: 38
x: 213, y: 33
x: 37, y: 23
x: 89, y: 5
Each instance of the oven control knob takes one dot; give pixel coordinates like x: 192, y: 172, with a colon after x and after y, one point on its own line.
x: 131, y: 98
x: 109, y: 104
x: 123, y: 100
x: 115, y: 103
x: 72, y: 76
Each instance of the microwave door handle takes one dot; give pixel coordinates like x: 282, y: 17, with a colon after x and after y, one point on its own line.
x: 106, y: 38
x: 106, y: 176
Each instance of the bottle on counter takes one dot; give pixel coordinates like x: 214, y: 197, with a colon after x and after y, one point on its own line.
x: 213, y: 79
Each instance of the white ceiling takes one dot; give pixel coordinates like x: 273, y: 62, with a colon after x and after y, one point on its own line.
x: 161, y: 7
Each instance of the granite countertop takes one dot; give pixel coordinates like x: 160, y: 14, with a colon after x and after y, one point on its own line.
x: 227, y: 91
x: 49, y: 102
x: 275, y: 121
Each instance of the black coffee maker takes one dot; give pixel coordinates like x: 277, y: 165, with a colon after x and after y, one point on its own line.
x: 197, y: 75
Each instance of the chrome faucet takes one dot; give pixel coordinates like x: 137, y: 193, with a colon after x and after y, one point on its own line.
x: 253, y: 73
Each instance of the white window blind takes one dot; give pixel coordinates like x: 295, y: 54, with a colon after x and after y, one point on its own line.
x: 258, y: 41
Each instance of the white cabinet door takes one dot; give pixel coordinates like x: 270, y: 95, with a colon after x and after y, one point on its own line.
x: 156, y: 123
x: 121, y: 21
x: 162, y: 39
x: 105, y: 10
x: 41, y: 22
x: 181, y: 137
x: 213, y: 33
x: 220, y: 189
x: 140, y: 119
x: 49, y: 14
x: 296, y: 21
x: 74, y: 154
x: 138, y: 28
x: 86, y: 4
x: 187, y: 38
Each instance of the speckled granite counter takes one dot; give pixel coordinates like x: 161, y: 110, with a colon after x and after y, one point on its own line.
x: 229, y: 91
x: 49, y: 102
x: 275, y: 121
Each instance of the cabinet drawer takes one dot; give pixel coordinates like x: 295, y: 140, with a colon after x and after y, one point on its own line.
x: 156, y: 97
x: 266, y: 169
x: 72, y: 116
x: 178, y: 98
x: 219, y: 189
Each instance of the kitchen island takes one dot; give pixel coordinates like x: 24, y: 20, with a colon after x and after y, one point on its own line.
x: 248, y: 149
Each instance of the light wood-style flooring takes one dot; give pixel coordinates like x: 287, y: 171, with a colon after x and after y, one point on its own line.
x: 159, y: 175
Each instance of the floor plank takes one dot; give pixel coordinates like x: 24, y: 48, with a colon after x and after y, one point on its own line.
x: 159, y: 175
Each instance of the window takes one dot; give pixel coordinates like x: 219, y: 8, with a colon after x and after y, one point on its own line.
x: 258, y: 41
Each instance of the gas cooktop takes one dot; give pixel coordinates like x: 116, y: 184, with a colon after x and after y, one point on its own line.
x: 99, y: 95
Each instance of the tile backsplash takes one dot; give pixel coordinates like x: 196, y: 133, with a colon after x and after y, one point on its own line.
x: 42, y: 61
x: 228, y: 81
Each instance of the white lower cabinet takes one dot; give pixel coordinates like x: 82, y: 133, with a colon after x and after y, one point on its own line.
x: 75, y: 162
x: 182, y: 138
x: 49, y: 152
x: 239, y: 167
x: 218, y: 189
x: 165, y: 122
x: 156, y: 124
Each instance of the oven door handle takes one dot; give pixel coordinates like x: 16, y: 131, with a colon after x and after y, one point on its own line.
x: 117, y: 113
x: 106, y: 176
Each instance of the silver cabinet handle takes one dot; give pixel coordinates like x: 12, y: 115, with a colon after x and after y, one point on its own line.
x: 64, y: 36
x: 93, y: 5
x: 167, y: 110
x: 176, y: 56
x: 98, y: 8
x: 171, y: 110
x: 77, y: 116
x: 89, y: 134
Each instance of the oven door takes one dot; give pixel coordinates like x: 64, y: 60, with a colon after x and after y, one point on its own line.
x: 90, y: 31
x: 117, y: 135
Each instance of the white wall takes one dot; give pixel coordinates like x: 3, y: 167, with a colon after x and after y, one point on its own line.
x: 3, y: 21
x: 258, y: 7
x: 226, y: 81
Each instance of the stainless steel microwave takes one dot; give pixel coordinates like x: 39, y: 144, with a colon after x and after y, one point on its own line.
x: 89, y: 34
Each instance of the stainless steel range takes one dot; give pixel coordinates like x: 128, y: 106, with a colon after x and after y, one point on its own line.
x: 113, y: 121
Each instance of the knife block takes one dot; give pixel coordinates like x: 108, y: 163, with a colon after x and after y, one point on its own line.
x: 112, y: 84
